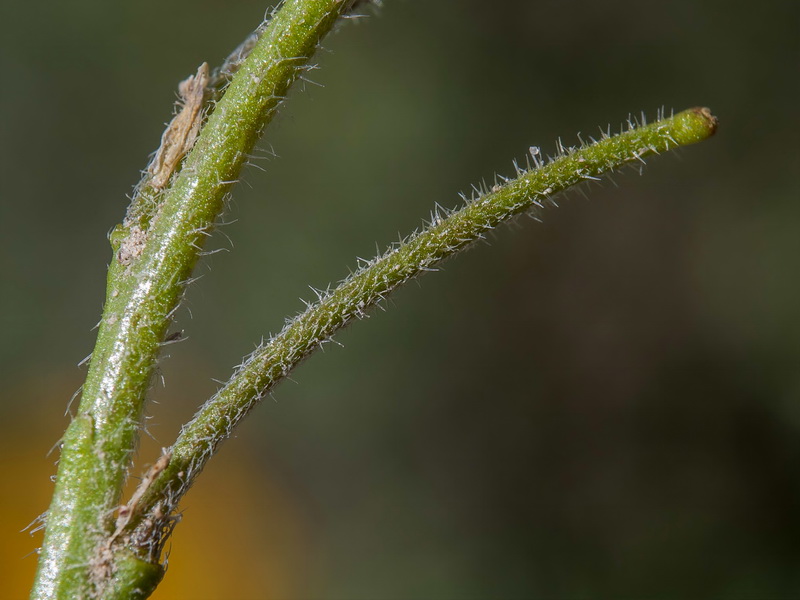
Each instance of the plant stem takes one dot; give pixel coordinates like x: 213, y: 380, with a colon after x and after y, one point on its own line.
x: 444, y: 237
x: 153, y: 260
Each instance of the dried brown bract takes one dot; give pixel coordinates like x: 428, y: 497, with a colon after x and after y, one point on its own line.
x: 181, y: 133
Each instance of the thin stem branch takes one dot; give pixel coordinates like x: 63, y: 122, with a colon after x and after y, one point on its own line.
x: 155, y: 252
x: 446, y: 235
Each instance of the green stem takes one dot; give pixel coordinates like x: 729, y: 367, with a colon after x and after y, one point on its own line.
x: 443, y: 238
x: 145, y: 283
x: 134, y: 578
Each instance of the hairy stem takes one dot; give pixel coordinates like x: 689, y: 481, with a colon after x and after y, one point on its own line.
x: 447, y: 235
x: 154, y: 256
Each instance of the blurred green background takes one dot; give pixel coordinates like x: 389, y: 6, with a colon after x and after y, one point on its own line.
x: 605, y: 404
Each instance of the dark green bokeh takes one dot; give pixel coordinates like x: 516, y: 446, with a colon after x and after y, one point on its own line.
x: 603, y: 405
